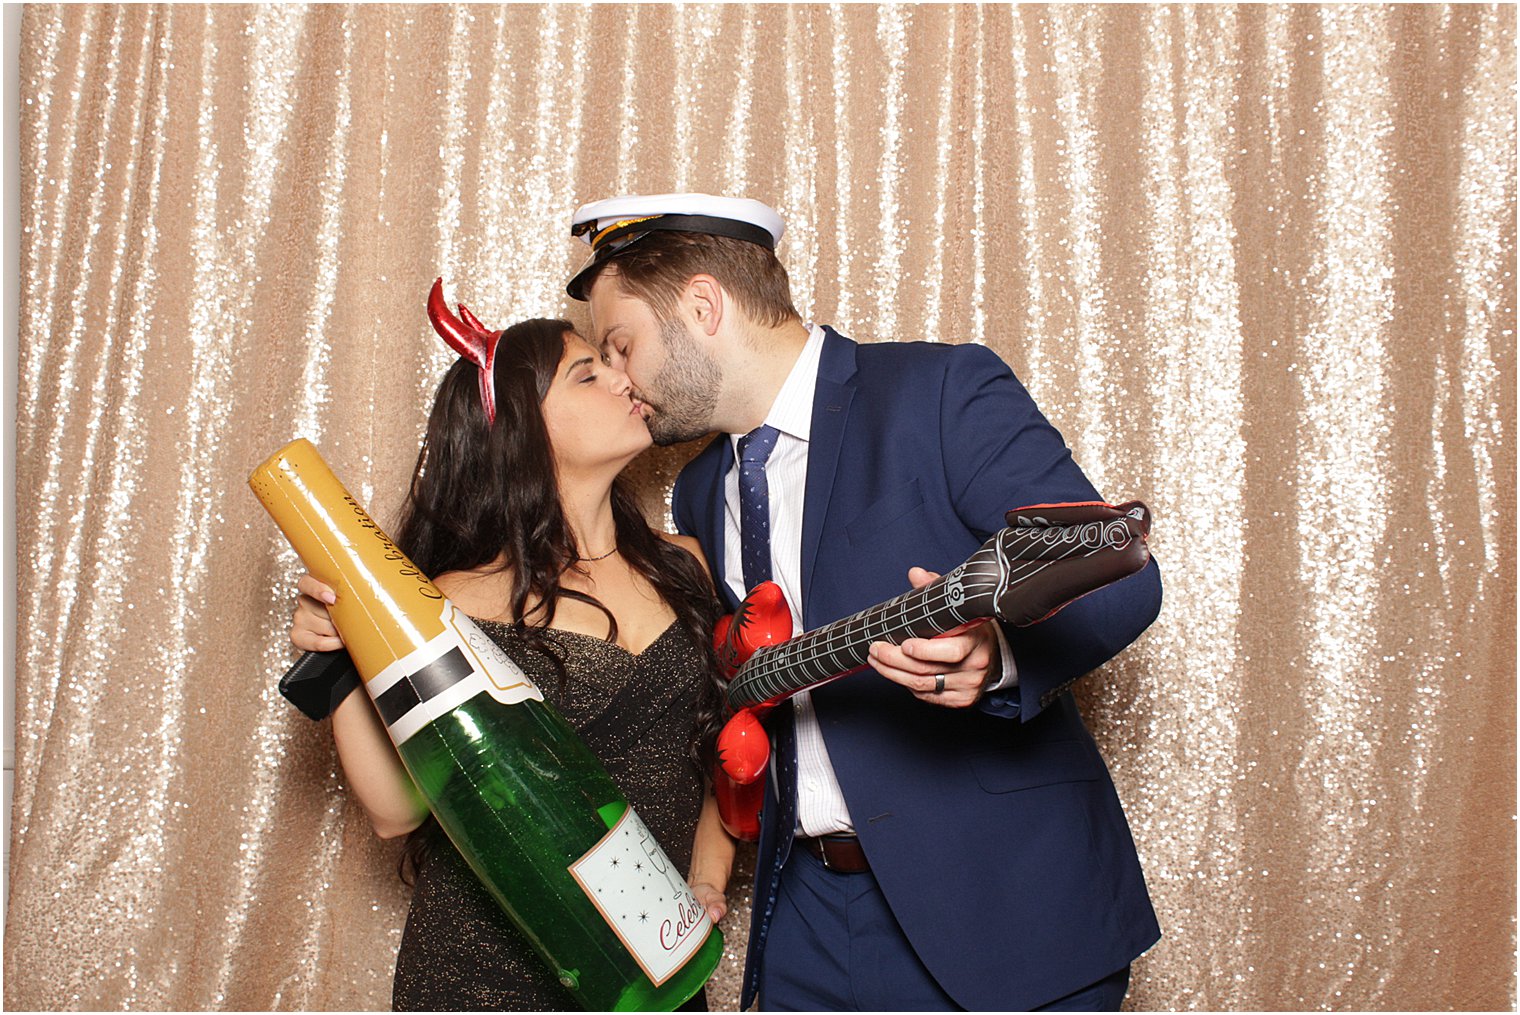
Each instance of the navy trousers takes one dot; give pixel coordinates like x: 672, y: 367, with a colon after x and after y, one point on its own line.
x: 835, y: 946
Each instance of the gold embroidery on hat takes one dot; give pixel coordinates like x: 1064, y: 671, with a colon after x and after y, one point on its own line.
x: 618, y: 225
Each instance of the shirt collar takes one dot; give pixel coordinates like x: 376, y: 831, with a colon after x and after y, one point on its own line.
x: 792, y: 411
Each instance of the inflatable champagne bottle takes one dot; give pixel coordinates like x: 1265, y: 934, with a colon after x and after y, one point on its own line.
x: 525, y: 801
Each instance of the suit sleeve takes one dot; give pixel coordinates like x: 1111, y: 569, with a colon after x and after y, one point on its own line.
x: 1001, y: 453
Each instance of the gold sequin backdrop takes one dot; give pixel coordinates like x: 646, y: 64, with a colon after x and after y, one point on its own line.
x: 1256, y: 263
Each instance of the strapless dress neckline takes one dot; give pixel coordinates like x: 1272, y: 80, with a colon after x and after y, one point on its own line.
x: 505, y: 627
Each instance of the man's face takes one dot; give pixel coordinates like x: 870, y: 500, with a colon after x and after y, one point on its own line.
x: 672, y: 375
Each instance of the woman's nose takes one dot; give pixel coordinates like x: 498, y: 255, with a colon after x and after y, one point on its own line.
x: 618, y: 381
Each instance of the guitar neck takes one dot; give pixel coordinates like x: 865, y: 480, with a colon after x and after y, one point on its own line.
x: 837, y: 649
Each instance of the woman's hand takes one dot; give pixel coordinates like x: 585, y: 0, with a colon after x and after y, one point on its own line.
x: 311, y: 626
x: 712, y: 899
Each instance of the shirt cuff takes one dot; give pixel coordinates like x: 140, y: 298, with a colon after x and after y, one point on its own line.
x: 1010, y: 675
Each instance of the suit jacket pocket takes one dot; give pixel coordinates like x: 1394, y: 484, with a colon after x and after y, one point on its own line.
x: 866, y: 528
x: 1025, y: 766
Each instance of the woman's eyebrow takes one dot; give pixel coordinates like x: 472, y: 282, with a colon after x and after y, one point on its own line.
x: 579, y: 362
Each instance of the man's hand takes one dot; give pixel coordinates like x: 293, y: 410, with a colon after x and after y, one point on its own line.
x: 967, y: 658
x: 311, y: 627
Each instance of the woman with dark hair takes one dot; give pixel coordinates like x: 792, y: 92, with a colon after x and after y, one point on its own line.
x: 516, y: 510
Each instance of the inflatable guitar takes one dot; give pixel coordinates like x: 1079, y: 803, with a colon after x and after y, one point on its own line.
x: 1050, y: 555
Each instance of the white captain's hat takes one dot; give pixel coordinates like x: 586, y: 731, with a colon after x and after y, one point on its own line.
x: 615, y: 224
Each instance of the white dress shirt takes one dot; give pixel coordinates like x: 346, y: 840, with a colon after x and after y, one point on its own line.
x: 821, y: 808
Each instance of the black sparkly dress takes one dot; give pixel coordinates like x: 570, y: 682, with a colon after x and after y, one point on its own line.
x: 459, y: 951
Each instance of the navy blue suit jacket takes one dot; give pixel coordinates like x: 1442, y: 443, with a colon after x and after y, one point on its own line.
x: 994, y: 832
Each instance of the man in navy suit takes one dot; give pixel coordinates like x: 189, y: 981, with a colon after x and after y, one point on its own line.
x: 940, y: 831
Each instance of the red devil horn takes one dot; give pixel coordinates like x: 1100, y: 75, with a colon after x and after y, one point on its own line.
x: 470, y: 318
x: 470, y: 339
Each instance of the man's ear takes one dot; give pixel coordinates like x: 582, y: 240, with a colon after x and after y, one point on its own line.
x: 704, y: 297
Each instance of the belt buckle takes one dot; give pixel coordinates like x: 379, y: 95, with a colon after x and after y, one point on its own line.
x: 823, y: 852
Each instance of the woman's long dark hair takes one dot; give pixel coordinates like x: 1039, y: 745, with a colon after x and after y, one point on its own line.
x: 486, y: 494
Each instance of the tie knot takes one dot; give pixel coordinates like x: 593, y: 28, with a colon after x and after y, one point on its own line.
x: 756, y: 446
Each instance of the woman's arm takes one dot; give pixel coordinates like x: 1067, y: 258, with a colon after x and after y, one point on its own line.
x: 712, y: 853
x: 712, y: 861
x: 373, y: 769
x: 370, y: 763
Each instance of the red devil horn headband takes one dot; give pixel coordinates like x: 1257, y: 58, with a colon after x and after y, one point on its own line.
x: 470, y: 339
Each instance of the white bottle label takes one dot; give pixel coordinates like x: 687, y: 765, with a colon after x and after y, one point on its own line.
x: 444, y: 673
x: 643, y: 898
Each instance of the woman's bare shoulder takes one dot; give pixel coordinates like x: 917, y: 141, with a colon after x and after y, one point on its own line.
x: 484, y: 592
x: 690, y: 545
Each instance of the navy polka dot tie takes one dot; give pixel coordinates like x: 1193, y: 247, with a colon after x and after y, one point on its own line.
x: 755, y: 449
x: 755, y: 504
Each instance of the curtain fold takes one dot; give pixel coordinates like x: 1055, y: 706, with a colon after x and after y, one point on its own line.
x: 1256, y: 263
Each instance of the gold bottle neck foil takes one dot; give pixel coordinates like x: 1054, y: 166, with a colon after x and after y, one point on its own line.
x: 386, y: 607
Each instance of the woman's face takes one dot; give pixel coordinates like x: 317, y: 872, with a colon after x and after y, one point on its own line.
x: 589, y: 410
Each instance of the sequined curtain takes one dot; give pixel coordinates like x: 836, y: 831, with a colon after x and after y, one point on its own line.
x: 1256, y: 263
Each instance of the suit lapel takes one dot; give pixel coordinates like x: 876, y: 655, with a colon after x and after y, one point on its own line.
x: 717, y: 459
x: 831, y: 410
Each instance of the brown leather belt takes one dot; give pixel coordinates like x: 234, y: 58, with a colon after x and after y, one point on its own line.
x: 839, y: 853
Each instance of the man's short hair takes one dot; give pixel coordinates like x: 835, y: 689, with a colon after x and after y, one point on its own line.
x: 657, y: 268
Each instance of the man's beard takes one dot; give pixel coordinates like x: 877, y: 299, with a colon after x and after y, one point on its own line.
x: 684, y: 394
